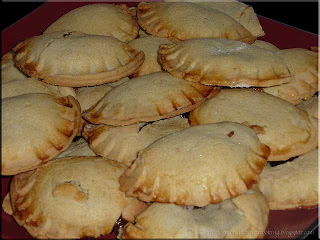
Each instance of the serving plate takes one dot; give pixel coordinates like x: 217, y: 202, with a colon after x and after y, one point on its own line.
x: 282, y: 224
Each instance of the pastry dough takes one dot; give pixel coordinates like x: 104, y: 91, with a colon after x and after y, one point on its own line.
x: 101, y: 19
x: 181, y: 21
x: 311, y: 106
x: 35, y: 129
x: 78, y: 148
x: 9, y: 71
x: 265, y: 45
x: 76, y: 59
x: 303, y: 65
x: 197, y: 166
x: 123, y: 143
x: 293, y: 184
x: 223, y: 62
x: 150, y: 46
x: 242, y: 217
x: 287, y: 130
x: 73, y: 197
x: 148, y: 98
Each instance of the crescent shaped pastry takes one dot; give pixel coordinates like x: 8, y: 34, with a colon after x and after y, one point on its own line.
x: 293, y: 184
x: 242, y: 217
x: 72, y: 197
x: 287, y: 130
x: 197, y: 166
x: 181, y: 21
x: 35, y: 129
x: 223, y: 62
x: 99, y: 19
x: 76, y: 59
x: 148, y: 98
x: 123, y: 143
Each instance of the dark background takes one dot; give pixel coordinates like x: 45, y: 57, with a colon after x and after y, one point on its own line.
x: 302, y: 15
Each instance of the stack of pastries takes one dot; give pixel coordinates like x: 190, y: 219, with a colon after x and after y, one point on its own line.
x: 169, y: 115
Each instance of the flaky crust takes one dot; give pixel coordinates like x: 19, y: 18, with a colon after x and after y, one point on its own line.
x: 35, y: 129
x: 148, y: 98
x: 293, y: 184
x: 242, y: 217
x: 72, y: 197
x: 287, y: 130
x: 181, y: 21
x: 197, y: 166
x: 101, y: 19
x: 123, y: 143
x: 223, y: 62
x: 303, y: 66
x: 76, y: 59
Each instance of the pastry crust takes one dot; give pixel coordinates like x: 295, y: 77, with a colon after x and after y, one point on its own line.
x: 78, y: 148
x: 242, y: 217
x: 197, y: 166
x: 123, y: 143
x: 181, y: 21
x: 311, y: 106
x: 68, y: 198
x: 35, y: 129
x: 99, y: 19
x: 9, y: 71
x: 303, y: 65
x: 265, y: 45
x: 287, y: 130
x: 293, y: 184
x: 76, y: 59
x: 148, y: 98
x: 150, y: 46
x: 223, y: 62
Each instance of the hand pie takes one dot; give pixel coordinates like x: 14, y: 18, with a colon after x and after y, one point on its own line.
x: 223, y: 62
x: 35, y: 129
x: 78, y: 148
x: 181, y: 21
x: 73, y: 197
x: 99, y: 19
x: 242, y: 217
x: 30, y: 85
x: 287, y: 130
x: 197, y: 166
x: 9, y: 71
x: 293, y: 184
x: 265, y: 45
x: 76, y: 59
x: 89, y: 96
x: 148, y: 98
x: 239, y: 11
x: 303, y: 65
x: 150, y: 46
x: 310, y: 106
x: 122, y: 144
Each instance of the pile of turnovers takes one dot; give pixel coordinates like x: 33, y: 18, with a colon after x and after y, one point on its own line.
x: 169, y: 124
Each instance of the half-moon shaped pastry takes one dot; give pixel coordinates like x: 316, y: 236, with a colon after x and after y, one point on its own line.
x: 72, y: 197
x: 223, y: 62
x: 99, y: 19
x: 197, y: 166
x: 303, y: 65
x: 123, y: 143
x: 242, y: 217
x: 293, y: 184
x: 150, y: 46
x: 35, y: 129
x: 181, y: 21
x: 76, y: 59
x: 287, y: 130
x: 148, y: 98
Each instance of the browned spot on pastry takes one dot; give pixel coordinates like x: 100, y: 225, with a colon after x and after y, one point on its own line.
x: 22, y: 213
x: 64, y: 101
x: 56, y: 146
x: 94, y: 133
x: 175, y: 104
x: 30, y: 68
x: 258, y: 129
x: 69, y: 190
x: 230, y: 134
x: 36, y: 223
x: 161, y: 111
x: 65, y: 131
x: 192, y: 119
x: 314, y: 49
x: 266, y: 151
x: 249, y: 181
x: 41, y: 155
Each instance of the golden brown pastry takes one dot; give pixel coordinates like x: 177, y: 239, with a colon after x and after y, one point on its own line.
x: 101, y: 19
x: 76, y: 59
x: 197, y: 166
x: 35, y: 129
x: 148, y: 98
x: 287, y: 130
